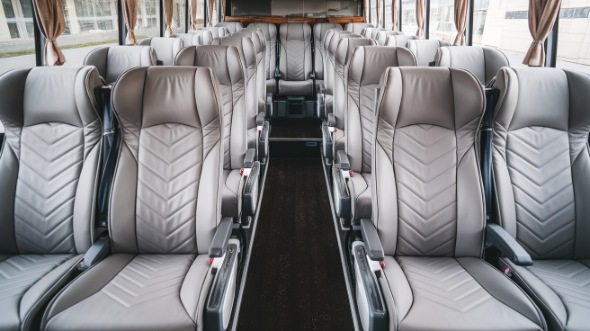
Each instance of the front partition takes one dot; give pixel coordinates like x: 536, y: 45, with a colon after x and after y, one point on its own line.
x: 309, y: 8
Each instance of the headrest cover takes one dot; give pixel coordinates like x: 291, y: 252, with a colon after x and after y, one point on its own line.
x: 268, y: 29
x: 244, y: 45
x: 123, y: 58
x: 347, y: 45
x: 224, y: 61
x: 295, y: 31
x: 368, y: 63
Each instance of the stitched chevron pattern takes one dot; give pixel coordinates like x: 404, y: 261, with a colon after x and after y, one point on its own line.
x: 569, y: 279
x: 51, y: 161
x: 367, y: 103
x: 295, y: 59
x: 147, y: 278
x: 19, y: 273
x: 443, y: 281
x: 539, y: 166
x: 425, y: 167
x: 168, y: 179
x: 12, y: 136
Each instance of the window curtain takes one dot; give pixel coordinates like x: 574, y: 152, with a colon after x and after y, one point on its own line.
x: 168, y: 8
x: 210, y: 4
x: 130, y: 15
x: 394, y: 15
x: 222, y: 10
x: 366, y: 10
x: 542, y: 15
x: 193, y: 14
x: 52, y: 23
x: 420, y: 17
x: 378, y: 13
x: 460, y: 21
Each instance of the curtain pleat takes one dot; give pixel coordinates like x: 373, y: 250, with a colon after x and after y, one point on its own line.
x: 542, y: 15
x: 52, y: 23
x: 460, y: 21
x: 394, y: 15
x: 210, y: 5
x: 168, y: 12
x: 130, y: 16
x: 420, y: 17
x: 193, y: 14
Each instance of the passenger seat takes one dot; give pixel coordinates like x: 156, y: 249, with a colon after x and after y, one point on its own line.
x: 174, y: 262
x: 295, y: 64
x: 113, y: 61
x: 542, y: 183
x: 319, y: 32
x: 48, y: 179
x: 419, y: 266
x: 399, y: 40
x: 425, y: 50
x: 357, y: 28
x: 218, y: 31
x: 232, y: 27
x: 269, y: 31
x: 165, y: 48
x: 381, y: 37
x: 483, y: 62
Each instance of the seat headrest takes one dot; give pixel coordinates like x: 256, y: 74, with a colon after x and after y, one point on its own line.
x: 425, y: 49
x: 347, y: 45
x: 224, y: 61
x: 244, y: 45
x: 217, y: 31
x: 205, y: 36
x: 113, y: 61
x: 367, y: 63
x: 232, y: 27
x: 320, y: 30
x: 398, y: 40
x: 382, y: 35
x: 49, y: 94
x: 268, y: 29
x: 483, y: 62
x: 167, y: 48
x: 151, y: 96
x: 295, y: 31
x: 544, y: 97
x: 445, y: 97
x: 339, y: 35
x: 357, y: 27
x: 252, y: 33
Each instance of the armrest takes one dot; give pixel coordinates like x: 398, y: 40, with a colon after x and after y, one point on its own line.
x: 372, y: 241
x: 369, y: 298
x: 321, y: 104
x: 263, y: 142
x: 507, y: 245
x: 326, y: 141
x: 222, y: 295
x: 331, y: 120
x: 221, y: 238
x: 98, y: 251
x: 250, y: 193
x: 269, y: 105
x: 342, y: 204
x: 249, y: 158
x: 260, y: 117
x: 342, y: 160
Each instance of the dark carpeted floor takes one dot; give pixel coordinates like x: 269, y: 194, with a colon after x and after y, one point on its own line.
x: 296, y: 128
x: 295, y: 279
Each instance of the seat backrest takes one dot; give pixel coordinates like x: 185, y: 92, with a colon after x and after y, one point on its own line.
x: 259, y: 42
x: 232, y: 27
x: 320, y: 30
x: 425, y: 50
x: 399, y: 40
x: 357, y: 27
x: 169, y: 162
x: 329, y: 50
x: 50, y: 160
x: 342, y: 55
x: 218, y: 31
x: 365, y: 68
x: 269, y: 31
x: 295, y: 51
x: 165, y: 48
x: 541, y: 160
x: 483, y: 62
x: 382, y: 35
x: 113, y: 61
x: 427, y: 189
x: 245, y: 48
x: 205, y: 36
x: 229, y: 71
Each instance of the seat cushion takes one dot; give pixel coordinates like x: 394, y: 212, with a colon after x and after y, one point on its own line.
x: 445, y: 293
x: 27, y: 282
x: 231, y: 199
x: 561, y: 288
x: 296, y: 88
x: 360, y: 191
x: 134, y: 292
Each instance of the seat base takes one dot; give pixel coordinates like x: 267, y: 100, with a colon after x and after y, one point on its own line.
x: 296, y: 88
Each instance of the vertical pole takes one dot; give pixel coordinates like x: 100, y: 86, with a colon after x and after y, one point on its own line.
x: 551, y: 45
x: 427, y: 23
x: 186, y: 16
x: 161, y: 14
x: 469, y: 30
x: 121, y: 21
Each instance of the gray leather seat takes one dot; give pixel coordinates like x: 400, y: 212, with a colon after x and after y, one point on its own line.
x: 193, y: 39
x: 541, y: 176
x: 357, y: 28
x: 269, y: 31
x: 218, y: 31
x: 206, y: 37
x: 113, y: 61
x: 428, y: 209
x: 259, y: 42
x: 425, y: 50
x: 381, y: 37
x: 232, y: 27
x: 319, y: 33
x: 165, y: 48
x: 399, y: 40
x: 367, y: 65
x: 483, y: 62
x: 330, y: 50
x: 164, y: 209
x: 48, y: 185
x: 295, y: 63
x: 227, y: 67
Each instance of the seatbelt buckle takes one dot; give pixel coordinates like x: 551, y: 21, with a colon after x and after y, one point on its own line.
x: 216, y: 262
x: 245, y: 172
x: 346, y: 174
x: 507, y: 271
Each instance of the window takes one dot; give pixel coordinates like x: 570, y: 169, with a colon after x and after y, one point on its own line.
x: 573, y: 46
x: 200, y: 21
x: 17, y: 44
x: 89, y: 24
x: 409, y: 24
x: 148, y: 19
x: 388, y: 19
x: 179, y: 16
x: 442, y: 20
x: 503, y: 25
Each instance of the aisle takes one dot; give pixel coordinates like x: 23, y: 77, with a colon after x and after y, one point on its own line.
x: 295, y: 279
